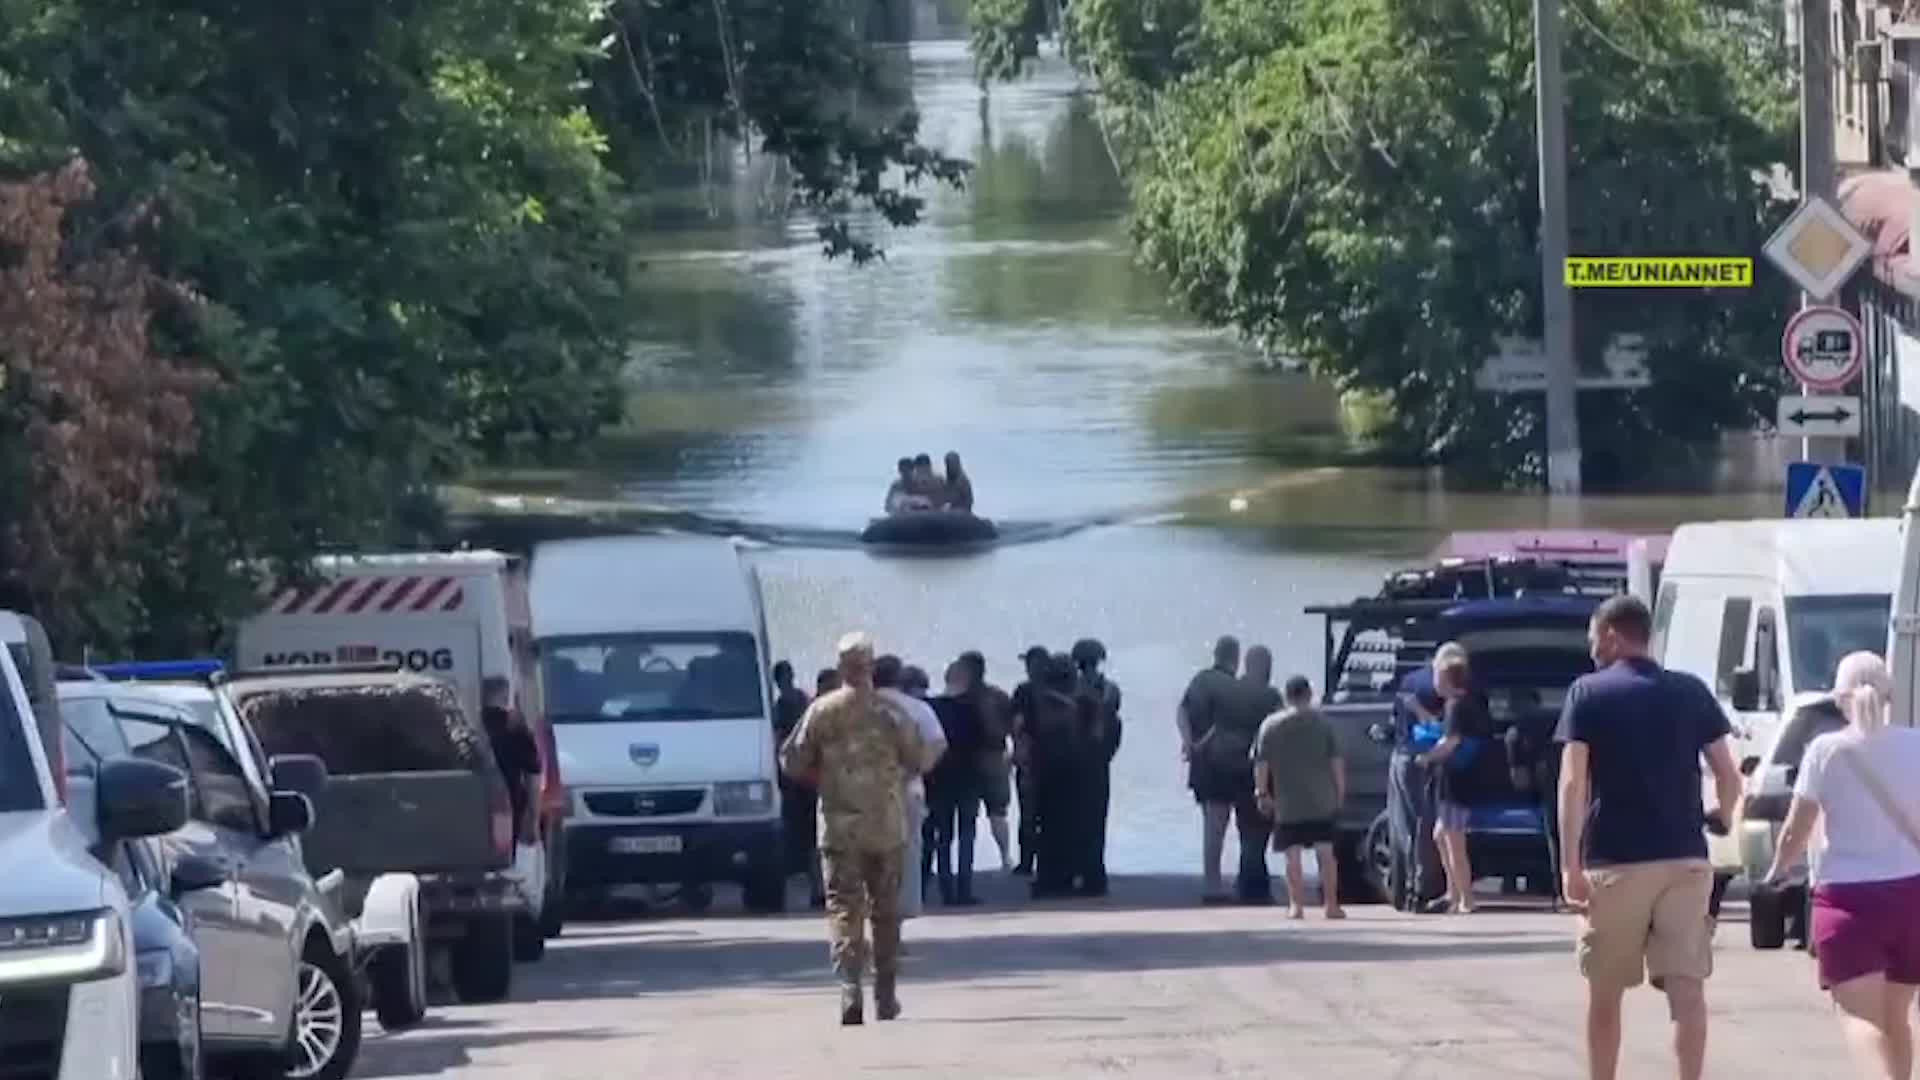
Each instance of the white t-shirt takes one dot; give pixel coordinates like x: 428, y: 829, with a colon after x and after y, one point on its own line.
x: 1861, y: 843
x: 931, y: 733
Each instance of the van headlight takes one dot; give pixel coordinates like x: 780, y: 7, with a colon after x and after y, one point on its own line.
x: 742, y: 798
x: 69, y: 947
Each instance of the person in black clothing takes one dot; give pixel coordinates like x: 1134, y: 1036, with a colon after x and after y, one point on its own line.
x: 516, y: 754
x: 1097, y: 791
x: 1035, y: 659
x: 826, y: 682
x: 797, y: 801
x: 953, y: 788
x: 1062, y: 728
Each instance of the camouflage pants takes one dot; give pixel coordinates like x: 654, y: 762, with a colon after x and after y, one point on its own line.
x: 863, y: 886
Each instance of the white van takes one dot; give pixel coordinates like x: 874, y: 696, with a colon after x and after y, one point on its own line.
x: 460, y: 617
x: 1762, y: 611
x: 654, y: 660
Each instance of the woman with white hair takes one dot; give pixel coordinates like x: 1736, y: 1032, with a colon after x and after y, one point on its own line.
x: 1858, y: 784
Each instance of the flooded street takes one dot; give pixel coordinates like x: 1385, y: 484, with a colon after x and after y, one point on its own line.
x: 1105, y: 433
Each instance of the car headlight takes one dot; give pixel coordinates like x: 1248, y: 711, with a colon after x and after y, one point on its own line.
x: 68, y: 947
x: 742, y: 798
x: 155, y: 968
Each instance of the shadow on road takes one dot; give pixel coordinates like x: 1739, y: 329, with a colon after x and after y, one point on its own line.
x: 609, y: 968
x: 439, y: 1046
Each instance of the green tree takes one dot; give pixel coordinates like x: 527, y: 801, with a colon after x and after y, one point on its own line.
x: 1353, y: 182
x: 406, y: 220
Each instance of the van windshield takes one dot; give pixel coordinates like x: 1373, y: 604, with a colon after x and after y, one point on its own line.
x: 1821, y: 630
x: 651, y: 677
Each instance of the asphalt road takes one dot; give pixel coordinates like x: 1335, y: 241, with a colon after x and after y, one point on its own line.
x: 1147, y: 984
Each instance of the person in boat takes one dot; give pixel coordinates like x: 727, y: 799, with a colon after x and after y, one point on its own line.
x: 926, y: 483
x: 958, y: 493
x: 907, y: 490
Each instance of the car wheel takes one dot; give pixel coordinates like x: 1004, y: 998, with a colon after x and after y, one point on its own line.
x: 1767, y: 918
x: 399, y: 999
x: 326, y: 1019
x: 1353, y: 856
x: 1382, y: 869
x: 766, y: 893
x: 529, y: 940
x: 553, y: 914
x: 483, y: 960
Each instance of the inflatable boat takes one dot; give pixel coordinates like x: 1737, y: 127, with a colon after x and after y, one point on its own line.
x: 929, y: 528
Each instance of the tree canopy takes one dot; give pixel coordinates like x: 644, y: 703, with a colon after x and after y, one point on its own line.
x: 404, y: 226
x: 1354, y: 183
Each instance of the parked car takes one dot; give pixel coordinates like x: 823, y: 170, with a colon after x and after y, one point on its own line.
x: 167, y: 959
x: 389, y: 954
x: 278, y: 994
x: 67, y: 964
x: 412, y: 787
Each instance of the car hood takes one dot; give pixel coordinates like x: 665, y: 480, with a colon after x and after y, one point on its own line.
x: 46, y: 865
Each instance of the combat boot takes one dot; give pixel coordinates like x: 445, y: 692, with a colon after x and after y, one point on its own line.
x: 852, y: 1005
x: 886, y: 998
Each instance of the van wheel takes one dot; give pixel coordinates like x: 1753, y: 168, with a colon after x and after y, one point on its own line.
x: 529, y: 940
x: 766, y: 893
x: 483, y: 962
x: 399, y: 998
x: 1720, y: 884
x: 326, y: 1019
x: 1767, y: 918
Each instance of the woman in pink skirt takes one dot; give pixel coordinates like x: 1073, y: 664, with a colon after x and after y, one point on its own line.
x: 1860, y: 785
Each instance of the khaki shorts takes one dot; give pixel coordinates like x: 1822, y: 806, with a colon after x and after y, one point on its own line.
x: 1647, y: 920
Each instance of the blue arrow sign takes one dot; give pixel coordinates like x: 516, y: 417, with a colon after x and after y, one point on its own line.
x: 1826, y: 491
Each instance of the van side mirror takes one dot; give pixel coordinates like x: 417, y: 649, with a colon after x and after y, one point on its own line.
x: 1743, y: 690
x: 304, y: 773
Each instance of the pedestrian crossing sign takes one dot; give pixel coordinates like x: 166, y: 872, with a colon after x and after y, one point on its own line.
x: 1826, y: 491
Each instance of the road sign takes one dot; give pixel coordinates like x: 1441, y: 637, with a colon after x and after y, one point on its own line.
x: 1821, y: 347
x: 1817, y: 248
x: 1819, y: 417
x: 1521, y: 367
x: 1826, y: 491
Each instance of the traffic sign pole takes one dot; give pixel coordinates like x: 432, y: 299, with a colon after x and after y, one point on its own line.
x: 1817, y: 179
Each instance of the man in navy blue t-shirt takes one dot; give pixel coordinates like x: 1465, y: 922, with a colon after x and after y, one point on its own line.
x: 1633, y: 849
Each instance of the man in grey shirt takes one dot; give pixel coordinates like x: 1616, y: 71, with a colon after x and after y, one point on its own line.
x: 1301, y: 781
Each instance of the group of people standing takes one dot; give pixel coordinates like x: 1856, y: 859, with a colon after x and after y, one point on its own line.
x: 1265, y: 760
x: 919, y: 487
x: 883, y: 785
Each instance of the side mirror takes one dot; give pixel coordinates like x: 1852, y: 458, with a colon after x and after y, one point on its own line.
x: 134, y: 798
x: 289, y: 813
x: 194, y: 873
x: 303, y: 773
x: 1748, y: 764
x: 1743, y: 690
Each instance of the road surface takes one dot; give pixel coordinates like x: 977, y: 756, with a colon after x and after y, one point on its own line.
x: 1146, y: 984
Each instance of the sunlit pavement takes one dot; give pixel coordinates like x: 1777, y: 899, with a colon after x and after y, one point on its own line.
x: 1145, y: 984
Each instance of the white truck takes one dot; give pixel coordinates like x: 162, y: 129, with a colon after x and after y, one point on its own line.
x: 458, y: 617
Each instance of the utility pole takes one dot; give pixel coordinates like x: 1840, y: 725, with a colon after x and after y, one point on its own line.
x: 1817, y: 156
x: 1556, y: 302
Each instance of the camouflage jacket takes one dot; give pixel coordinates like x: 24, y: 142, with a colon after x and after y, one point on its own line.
x: 861, y: 755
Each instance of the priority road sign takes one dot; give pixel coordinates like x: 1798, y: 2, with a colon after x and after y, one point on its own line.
x: 1821, y: 347
x: 1818, y: 417
x: 1818, y: 248
x: 1826, y: 491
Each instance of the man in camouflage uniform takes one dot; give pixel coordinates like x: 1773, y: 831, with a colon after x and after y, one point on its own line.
x: 852, y: 749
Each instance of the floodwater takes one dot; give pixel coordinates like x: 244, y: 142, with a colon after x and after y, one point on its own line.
x: 1106, y: 433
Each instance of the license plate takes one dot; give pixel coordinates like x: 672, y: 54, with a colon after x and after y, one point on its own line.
x: 644, y: 845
